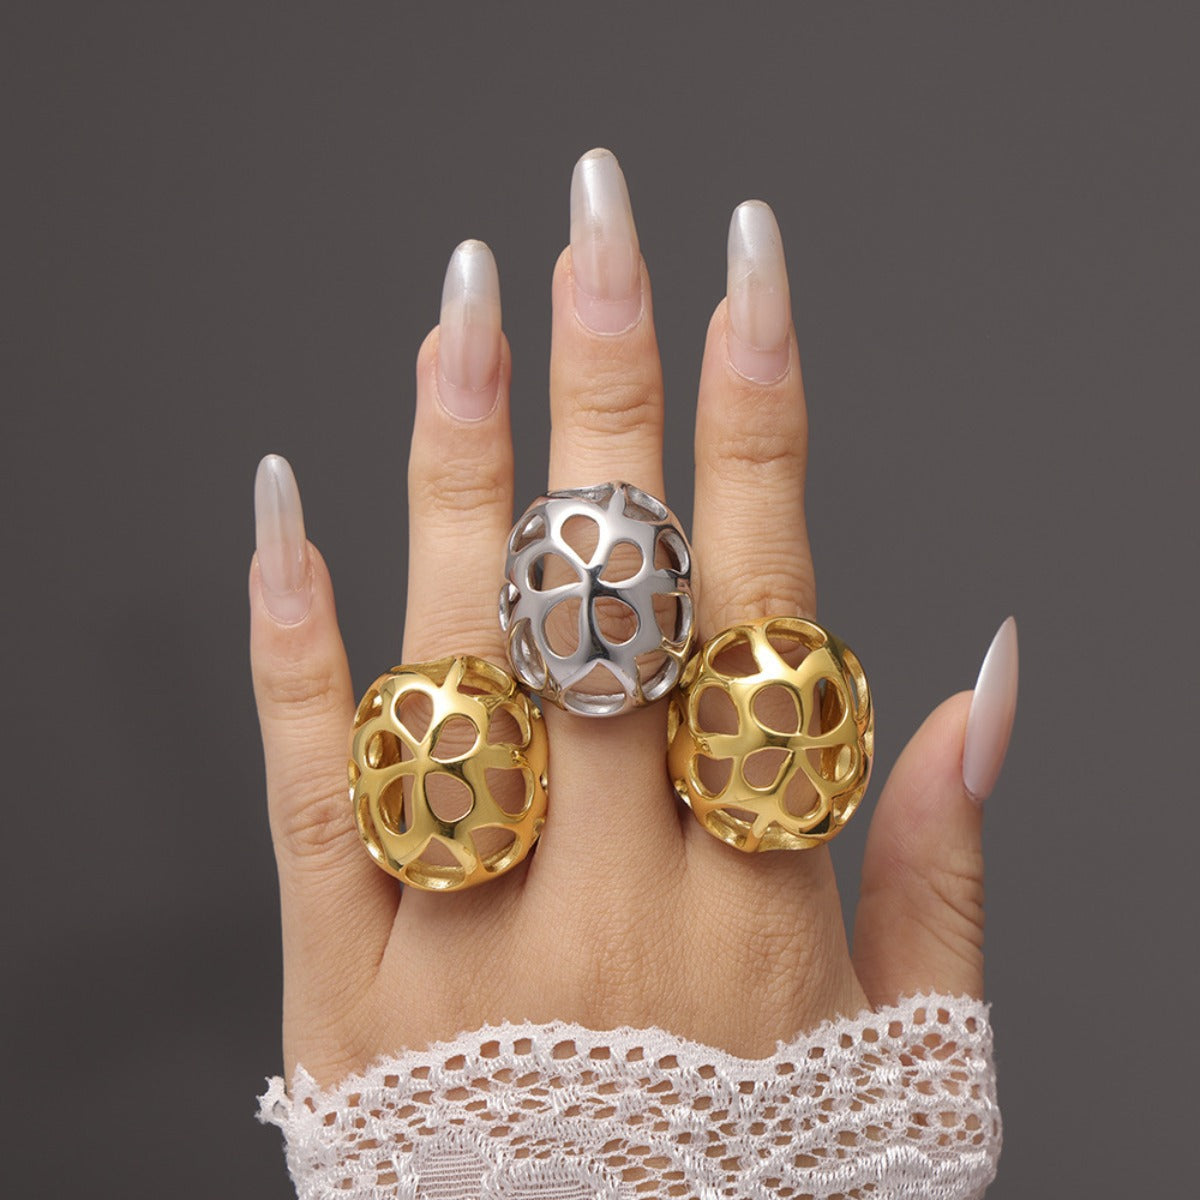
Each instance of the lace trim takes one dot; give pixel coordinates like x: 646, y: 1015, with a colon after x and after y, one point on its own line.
x: 895, y: 1103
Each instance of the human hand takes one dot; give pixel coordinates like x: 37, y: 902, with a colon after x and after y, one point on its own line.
x: 628, y: 912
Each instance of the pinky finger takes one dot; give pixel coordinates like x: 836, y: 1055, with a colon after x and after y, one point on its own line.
x: 336, y: 907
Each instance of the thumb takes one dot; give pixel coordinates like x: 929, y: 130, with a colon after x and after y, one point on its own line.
x: 919, y: 926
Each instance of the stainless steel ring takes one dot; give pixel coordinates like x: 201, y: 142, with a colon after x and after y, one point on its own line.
x: 598, y: 622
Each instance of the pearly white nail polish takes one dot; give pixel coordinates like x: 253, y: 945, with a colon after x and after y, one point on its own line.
x: 605, y: 258
x: 469, y: 338
x: 990, y: 719
x: 760, y: 314
x: 280, y: 541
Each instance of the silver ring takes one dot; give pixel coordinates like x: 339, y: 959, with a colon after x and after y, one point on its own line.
x: 597, y: 606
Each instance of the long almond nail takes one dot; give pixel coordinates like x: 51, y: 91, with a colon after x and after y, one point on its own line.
x: 990, y: 720
x: 282, y: 546
x: 469, y: 345
x: 605, y: 258
x: 760, y: 314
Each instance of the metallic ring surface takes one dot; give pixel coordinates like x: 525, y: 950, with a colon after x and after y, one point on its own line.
x: 597, y: 607
x: 428, y: 743
x: 771, y: 734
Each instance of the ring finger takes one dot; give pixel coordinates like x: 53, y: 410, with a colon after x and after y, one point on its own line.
x: 751, y: 542
x: 460, y: 507
x: 460, y: 470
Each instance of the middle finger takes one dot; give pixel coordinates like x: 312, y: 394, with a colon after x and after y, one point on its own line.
x: 606, y: 400
x: 606, y: 403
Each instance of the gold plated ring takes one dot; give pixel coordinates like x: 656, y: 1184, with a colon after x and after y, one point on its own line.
x: 448, y: 772
x: 771, y: 733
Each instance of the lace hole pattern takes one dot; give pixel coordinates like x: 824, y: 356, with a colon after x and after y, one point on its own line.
x: 895, y: 1103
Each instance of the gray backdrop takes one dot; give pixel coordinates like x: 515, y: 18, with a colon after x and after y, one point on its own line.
x: 226, y: 232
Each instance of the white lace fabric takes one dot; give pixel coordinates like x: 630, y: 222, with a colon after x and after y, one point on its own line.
x: 900, y: 1102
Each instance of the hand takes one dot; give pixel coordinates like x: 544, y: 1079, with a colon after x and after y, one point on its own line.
x: 628, y: 912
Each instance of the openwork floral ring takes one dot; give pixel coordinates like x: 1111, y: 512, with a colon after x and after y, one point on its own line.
x: 597, y: 607
x: 771, y: 735
x: 448, y: 772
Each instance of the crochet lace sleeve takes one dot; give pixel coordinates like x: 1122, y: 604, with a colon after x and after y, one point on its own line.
x: 895, y: 1103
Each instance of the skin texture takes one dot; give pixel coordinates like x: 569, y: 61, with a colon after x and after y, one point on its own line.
x: 628, y: 912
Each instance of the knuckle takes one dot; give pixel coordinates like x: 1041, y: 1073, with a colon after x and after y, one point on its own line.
x: 456, y: 629
x: 299, y: 687
x: 605, y: 969
x: 761, y: 956
x: 341, y: 1020
x: 621, y: 628
x: 956, y: 904
x: 615, y: 626
x: 745, y: 594
x: 612, y: 403
x: 746, y: 446
x: 942, y: 903
x: 959, y: 945
x: 313, y: 825
x: 474, y: 485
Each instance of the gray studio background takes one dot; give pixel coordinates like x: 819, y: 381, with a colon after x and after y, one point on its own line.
x: 226, y: 232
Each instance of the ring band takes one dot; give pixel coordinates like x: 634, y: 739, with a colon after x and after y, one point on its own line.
x: 772, y: 754
x: 448, y: 772
x: 597, y: 607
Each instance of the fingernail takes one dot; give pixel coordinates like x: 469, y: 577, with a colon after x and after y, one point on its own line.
x: 760, y: 314
x: 990, y: 719
x: 605, y: 259
x: 469, y: 345
x: 282, y: 548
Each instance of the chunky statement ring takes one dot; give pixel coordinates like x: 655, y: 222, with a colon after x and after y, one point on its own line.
x: 771, y: 735
x: 598, y: 603
x: 448, y: 772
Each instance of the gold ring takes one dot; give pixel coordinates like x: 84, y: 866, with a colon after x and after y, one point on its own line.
x: 771, y: 733
x: 448, y: 772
